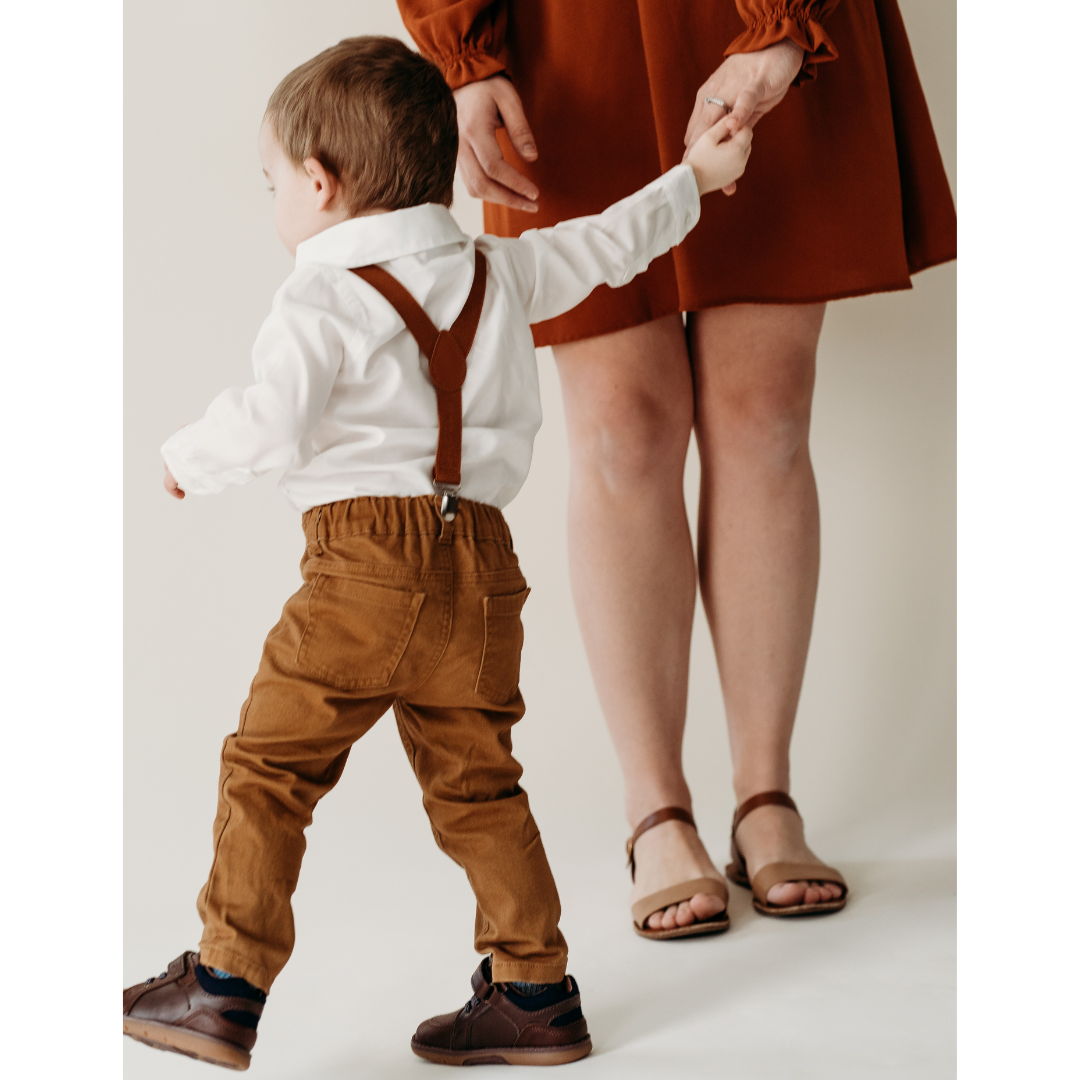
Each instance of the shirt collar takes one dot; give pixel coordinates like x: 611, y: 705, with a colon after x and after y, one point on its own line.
x: 378, y: 238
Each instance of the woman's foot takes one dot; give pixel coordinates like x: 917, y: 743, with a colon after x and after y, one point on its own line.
x: 775, y: 834
x: 665, y: 855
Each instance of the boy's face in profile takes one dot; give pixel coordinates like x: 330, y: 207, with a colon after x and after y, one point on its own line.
x: 307, y: 200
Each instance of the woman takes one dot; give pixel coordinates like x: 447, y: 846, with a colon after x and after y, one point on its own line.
x: 845, y: 195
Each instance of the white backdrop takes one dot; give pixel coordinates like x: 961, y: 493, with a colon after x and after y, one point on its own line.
x: 874, y: 753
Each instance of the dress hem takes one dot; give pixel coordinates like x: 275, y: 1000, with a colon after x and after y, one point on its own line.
x: 543, y: 340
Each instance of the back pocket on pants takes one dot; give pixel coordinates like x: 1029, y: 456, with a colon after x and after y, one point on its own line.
x: 500, y: 667
x: 356, y: 632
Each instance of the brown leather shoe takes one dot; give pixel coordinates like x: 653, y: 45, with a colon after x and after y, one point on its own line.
x: 498, y: 1026
x: 175, y: 1012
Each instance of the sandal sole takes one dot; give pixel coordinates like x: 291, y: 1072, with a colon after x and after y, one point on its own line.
x: 695, y: 929
x: 189, y: 1043
x: 825, y: 907
x: 509, y: 1055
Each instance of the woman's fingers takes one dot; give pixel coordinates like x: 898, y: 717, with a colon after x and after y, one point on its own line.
x: 480, y: 184
x: 480, y: 139
x: 745, y: 104
x: 691, y: 124
x: 489, y: 155
x: 742, y: 110
x: 483, y: 108
x: 705, y: 114
x: 513, y: 118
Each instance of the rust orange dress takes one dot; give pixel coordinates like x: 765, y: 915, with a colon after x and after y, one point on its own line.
x: 845, y: 192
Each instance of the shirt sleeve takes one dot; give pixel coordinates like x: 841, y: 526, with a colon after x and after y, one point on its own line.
x: 465, y: 39
x: 268, y: 426
x: 557, y: 267
x: 801, y: 21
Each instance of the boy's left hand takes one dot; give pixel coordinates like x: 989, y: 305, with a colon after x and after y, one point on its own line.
x: 718, y: 157
x: 171, y: 486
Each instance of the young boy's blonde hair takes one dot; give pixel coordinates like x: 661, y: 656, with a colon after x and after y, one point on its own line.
x: 377, y: 116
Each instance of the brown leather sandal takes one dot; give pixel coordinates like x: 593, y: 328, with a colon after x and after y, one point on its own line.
x: 778, y: 872
x: 674, y: 894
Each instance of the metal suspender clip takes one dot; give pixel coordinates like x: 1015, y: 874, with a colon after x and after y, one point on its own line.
x: 449, y: 502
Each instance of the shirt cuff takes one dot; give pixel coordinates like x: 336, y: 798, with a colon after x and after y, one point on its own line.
x: 188, y: 477
x: 679, y: 186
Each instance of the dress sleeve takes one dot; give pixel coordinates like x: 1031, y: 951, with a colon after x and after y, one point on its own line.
x: 802, y: 21
x: 465, y: 39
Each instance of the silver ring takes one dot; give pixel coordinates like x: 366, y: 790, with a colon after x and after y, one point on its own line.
x: 717, y: 101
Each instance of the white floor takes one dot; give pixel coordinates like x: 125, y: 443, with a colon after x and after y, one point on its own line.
x: 864, y: 994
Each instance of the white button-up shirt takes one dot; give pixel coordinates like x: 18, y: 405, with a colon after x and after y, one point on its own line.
x: 342, y: 400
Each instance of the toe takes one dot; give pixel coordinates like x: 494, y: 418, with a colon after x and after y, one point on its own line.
x: 705, y: 905
x: 684, y: 915
x: 669, y: 922
x: 655, y: 921
x: 787, y: 893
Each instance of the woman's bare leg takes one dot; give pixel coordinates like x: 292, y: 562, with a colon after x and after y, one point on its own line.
x: 629, y: 411
x: 758, y: 548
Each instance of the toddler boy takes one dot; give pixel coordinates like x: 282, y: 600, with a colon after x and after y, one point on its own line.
x: 396, y: 385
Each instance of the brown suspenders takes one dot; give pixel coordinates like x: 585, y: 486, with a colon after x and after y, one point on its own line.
x: 446, y: 351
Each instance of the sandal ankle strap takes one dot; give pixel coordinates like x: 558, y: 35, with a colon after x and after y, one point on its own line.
x: 658, y: 817
x: 765, y: 798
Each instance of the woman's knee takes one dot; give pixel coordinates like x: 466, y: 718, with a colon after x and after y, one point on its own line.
x: 629, y: 405
x: 770, y: 419
x: 631, y: 438
x: 754, y: 397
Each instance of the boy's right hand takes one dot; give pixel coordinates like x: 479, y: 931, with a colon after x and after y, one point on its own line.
x: 718, y: 158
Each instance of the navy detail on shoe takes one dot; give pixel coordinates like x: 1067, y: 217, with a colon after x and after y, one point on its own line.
x: 567, y: 1017
x: 231, y: 987
x: 247, y: 1019
x: 551, y: 994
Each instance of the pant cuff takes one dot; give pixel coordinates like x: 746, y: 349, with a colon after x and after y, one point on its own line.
x: 235, y: 963
x: 507, y: 970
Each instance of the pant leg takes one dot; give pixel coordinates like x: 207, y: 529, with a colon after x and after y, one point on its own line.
x: 304, y: 712
x: 480, y: 817
x: 456, y: 730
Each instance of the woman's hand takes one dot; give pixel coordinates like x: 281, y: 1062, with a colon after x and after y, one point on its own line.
x: 482, y: 108
x: 750, y: 83
x: 719, y: 155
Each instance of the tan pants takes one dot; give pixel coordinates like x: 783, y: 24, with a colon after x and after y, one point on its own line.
x: 397, y: 609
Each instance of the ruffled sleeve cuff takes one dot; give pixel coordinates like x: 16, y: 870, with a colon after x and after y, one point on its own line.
x: 470, y: 66
x: 771, y: 26
x: 464, y: 39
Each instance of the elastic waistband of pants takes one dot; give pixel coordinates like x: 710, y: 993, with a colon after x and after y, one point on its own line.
x: 398, y: 515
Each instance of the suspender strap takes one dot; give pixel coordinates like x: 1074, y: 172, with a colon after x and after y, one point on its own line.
x: 446, y: 351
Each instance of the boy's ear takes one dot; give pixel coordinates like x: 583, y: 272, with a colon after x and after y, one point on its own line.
x: 325, y: 184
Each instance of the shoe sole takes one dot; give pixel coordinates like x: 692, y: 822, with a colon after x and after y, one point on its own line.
x: 824, y: 907
x: 189, y: 1043
x: 493, y: 1055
